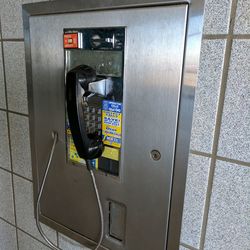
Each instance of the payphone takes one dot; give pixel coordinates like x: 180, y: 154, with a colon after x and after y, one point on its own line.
x: 94, y: 94
x: 110, y: 88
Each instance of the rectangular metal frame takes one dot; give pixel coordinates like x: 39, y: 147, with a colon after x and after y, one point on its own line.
x: 191, y: 62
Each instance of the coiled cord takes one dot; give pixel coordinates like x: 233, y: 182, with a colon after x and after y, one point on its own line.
x: 88, y: 162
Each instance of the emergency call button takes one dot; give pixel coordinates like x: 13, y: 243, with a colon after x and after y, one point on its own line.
x: 70, y: 41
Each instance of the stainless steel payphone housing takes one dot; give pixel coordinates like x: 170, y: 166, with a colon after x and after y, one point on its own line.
x: 143, y: 203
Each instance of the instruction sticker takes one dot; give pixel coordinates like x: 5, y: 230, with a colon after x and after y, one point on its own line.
x: 73, y: 155
x: 112, y: 123
x: 72, y: 152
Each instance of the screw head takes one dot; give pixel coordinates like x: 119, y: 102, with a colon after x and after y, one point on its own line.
x: 155, y: 155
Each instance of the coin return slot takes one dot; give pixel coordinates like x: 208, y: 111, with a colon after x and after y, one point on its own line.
x: 117, y: 214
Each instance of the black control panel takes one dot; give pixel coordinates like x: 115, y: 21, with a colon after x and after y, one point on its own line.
x: 99, y: 38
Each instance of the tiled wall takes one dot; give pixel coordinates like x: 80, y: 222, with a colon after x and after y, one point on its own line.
x: 217, y: 202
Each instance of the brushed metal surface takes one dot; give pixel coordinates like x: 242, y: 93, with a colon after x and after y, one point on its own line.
x: 152, y: 80
x: 190, y: 73
x: 66, y: 6
x: 146, y: 198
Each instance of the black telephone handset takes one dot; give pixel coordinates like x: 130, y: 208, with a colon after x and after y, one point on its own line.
x: 84, y: 111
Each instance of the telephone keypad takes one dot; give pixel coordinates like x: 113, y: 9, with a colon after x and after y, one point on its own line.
x: 93, y: 119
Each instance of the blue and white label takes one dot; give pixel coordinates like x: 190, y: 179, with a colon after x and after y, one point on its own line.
x: 112, y: 123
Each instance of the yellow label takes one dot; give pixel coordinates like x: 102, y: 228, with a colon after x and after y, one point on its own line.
x: 111, y: 153
x: 73, y: 155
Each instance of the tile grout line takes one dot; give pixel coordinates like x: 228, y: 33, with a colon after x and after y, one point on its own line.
x: 243, y: 163
x: 14, y: 112
x: 221, y: 158
x: 3, y: 219
x: 214, y: 149
x: 33, y: 237
x: 188, y: 246
x: 214, y: 37
x: 57, y: 238
x: 241, y: 36
x: 12, y: 39
x: 11, y: 172
x: 225, y: 36
x: 226, y: 65
x: 20, y: 229
x: 195, y: 152
x: 8, y: 127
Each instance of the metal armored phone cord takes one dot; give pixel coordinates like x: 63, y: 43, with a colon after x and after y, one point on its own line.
x: 50, y: 243
x: 88, y: 162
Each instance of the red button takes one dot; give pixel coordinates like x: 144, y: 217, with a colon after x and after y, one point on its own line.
x: 70, y: 41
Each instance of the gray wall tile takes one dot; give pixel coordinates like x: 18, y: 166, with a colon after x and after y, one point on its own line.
x: 242, y: 19
x: 207, y: 94
x: 7, y: 236
x: 217, y: 16
x: 68, y: 244
x: 25, y: 210
x: 20, y: 145
x: 183, y: 248
x: 4, y: 142
x: 15, y: 76
x: 6, y: 197
x: 229, y: 220
x: 2, y: 88
x: 234, y: 140
x: 196, y: 187
x: 26, y: 242
x: 11, y: 17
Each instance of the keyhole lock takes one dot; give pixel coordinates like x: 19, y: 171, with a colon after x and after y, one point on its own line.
x: 156, y: 155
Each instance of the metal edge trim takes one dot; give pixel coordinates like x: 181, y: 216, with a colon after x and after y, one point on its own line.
x: 189, y: 80
x: 186, y: 102
x: 27, y: 48
x: 60, y: 7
